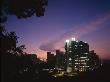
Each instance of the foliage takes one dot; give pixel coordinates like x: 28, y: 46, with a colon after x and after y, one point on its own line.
x: 22, y: 8
x: 9, y: 42
x: 15, y: 63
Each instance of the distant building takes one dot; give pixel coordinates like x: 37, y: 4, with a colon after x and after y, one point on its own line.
x: 59, y: 59
x: 50, y: 60
x: 78, y: 57
x: 33, y: 57
x: 94, y: 62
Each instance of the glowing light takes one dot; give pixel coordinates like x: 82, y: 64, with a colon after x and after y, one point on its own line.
x: 83, y: 57
x: 70, y: 51
x: 70, y: 59
x: 69, y: 69
x: 67, y: 41
x: 82, y: 60
x: 87, y: 59
x: 77, y: 41
x: 85, y: 42
x: 86, y: 53
x: 73, y: 39
x: 26, y: 69
x: 76, y: 45
x: 80, y: 70
x: 76, y: 68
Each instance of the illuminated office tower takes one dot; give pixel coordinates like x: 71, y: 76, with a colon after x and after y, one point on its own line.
x: 77, y: 56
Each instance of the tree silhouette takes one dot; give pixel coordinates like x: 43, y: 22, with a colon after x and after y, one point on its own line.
x: 9, y: 42
x: 22, y: 8
x: 16, y: 65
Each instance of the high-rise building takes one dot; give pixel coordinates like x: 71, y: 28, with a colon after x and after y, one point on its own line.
x: 94, y: 62
x: 59, y: 59
x: 33, y: 57
x: 77, y: 56
x: 50, y: 60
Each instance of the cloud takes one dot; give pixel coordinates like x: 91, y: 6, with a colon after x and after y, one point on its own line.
x: 48, y: 46
x: 41, y: 54
x: 77, y: 31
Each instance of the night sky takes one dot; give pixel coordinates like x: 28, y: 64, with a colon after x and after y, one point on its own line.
x: 87, y: 20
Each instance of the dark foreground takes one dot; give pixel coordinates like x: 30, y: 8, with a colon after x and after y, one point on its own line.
x: 96, y: 76
x: 100, y: 75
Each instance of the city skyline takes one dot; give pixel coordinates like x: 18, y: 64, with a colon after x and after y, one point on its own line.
x: 86, y: 20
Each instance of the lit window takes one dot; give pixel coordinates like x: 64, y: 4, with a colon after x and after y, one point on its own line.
x: 76, y: 68
x: 82, y: 60
x: 26, y: 69
x: 83, y: 57
x: 87, y: 66
x: 87, y: 59
x: 76, y: 45
x: 70, y: 63
x: 77, y: 41
x: 70, y: 51
x: 70, y: 59
x: 76, y: 63
x: 84, y: 63
x: 80, y: 70
x: 85, y: 53
x: 81, y: 45
x: 70, y: 46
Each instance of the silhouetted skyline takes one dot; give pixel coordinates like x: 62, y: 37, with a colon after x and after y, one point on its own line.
x: 87, y: 20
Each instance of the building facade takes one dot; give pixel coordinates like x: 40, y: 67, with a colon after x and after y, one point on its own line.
x: 77, y: 56
x: 59, y: 59
x: 50, y: 60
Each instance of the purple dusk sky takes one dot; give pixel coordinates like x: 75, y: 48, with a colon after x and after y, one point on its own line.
x: 87, y: 20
